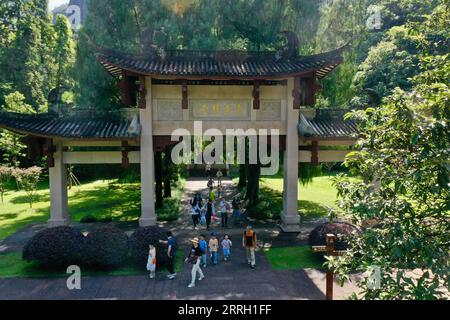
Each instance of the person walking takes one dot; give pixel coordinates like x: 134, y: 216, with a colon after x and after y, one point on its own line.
x: 226, y: 247
x: 210, y: 210
x: 236, y: 205
x: 203, y: 245
x: 171, y: 252
x: 213, y: 249
x: 212, y: 195
x: 197, y: 200
x: 219, y: 175
x: 249, y: 243
x: 223, y: 212
x: 195, y: 213
x: 151, y: 261
x: 195, y: 259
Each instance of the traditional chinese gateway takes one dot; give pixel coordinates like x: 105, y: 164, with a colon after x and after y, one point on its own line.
x: 167, y: 90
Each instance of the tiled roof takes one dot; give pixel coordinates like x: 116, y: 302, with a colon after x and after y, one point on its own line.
x: 221, y: 64
x: 327, y: 124
x: 74, y: 127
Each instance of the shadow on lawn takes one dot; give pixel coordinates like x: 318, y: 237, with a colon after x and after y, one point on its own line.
x: 36, y: 198
x: 311, y: 210
x: 120, y: 202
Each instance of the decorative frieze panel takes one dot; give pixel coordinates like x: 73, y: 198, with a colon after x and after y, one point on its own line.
x: 269, y: 110
x: 220, y: 109
x: 167, y: 110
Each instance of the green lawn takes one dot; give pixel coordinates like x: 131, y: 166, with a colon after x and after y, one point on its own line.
x: 293, y: 258
x: 101, y: 199
x: 314, y: 199
x: 12, y: 266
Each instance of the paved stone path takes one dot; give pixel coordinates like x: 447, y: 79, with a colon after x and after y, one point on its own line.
x: 229, y: 280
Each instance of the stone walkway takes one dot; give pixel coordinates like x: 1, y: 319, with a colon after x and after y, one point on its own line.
x: 229, y: 280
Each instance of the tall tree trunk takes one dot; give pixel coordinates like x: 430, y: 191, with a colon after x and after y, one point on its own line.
x: 167, y: 173
x: 158, y: 179
x: 242, y: 176
x: 254, y: 173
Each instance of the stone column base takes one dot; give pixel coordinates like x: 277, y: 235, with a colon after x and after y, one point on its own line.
x: 147, y: 222
x: 290, y: 223
x: 57, y: 223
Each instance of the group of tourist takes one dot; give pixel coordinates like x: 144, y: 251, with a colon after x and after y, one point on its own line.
x: 203, y: 213
x: 199, y: 252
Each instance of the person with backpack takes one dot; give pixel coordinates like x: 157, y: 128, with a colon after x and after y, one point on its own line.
x: 249, y: 243
x: 195, y: 259
x: 172, y: 248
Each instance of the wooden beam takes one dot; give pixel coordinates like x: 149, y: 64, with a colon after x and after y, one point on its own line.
x: 99, y: 157
x: 315, y: 153
x: 256, y: 93
x: 125, y: 150
x: 184, y: 94
x: 49, y: 150
x: 324, y: 156
x: 308, y: 89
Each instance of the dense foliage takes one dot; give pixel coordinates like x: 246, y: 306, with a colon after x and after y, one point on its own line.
x: 105, y: 247
x: 55, y: 247
x: 404, y: 145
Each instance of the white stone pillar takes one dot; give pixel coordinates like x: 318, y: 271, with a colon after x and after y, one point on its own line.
x: 290, y: 217
x: 148, y: 214
x: 59, y: 212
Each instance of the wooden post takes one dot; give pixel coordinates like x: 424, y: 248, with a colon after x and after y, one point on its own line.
x: 330, y: 252
x: 329, y: 249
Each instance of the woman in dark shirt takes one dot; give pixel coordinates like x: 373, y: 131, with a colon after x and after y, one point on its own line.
x: 194, y: 257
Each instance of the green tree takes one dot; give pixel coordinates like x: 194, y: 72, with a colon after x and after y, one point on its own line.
x: 10, y: 142
x: 27, y: 179
x: 64, y: 53
x: 5, y: 178
x: 27, y: 39
x: 405, y: 145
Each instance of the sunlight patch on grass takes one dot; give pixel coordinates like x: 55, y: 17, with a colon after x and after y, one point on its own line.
x: 293, y: 258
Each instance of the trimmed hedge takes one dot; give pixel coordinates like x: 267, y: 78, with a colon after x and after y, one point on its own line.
x: 105, y: 247
x: 55, y: 247
x: 141, y: 239
x: 342, y: 231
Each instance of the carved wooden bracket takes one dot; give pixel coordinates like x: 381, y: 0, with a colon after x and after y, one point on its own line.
x: 308, y: 89
x: 125, y: 159
x: 184, y: 94
x: 142, y: 93
x: 49, y: 149
x: 256, y: 92
x: 127, y: 89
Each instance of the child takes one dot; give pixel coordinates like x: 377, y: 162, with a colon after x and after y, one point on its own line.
x: 151, y: 262
x: 226, y: 246
x: 203, y: 245
x: 214, y: 248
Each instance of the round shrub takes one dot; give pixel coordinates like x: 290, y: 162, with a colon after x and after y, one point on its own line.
x: 105, y: 247
x: 141, y: 239
x: 342, y: 230
x: 54, y: 247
